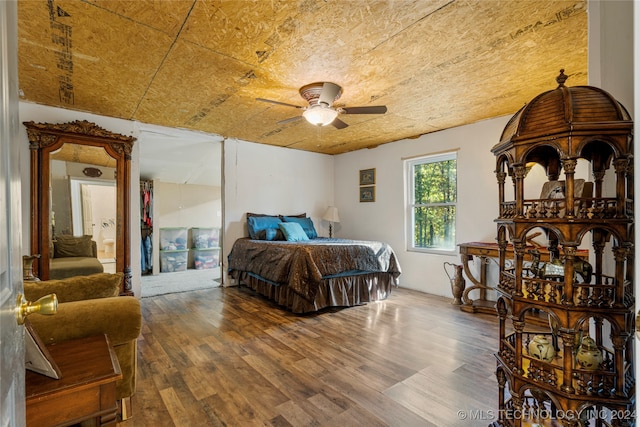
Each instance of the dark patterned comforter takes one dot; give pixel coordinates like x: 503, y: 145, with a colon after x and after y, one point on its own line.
x: 302, y: 265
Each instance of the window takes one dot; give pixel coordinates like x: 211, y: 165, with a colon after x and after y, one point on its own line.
x: 432, y: 202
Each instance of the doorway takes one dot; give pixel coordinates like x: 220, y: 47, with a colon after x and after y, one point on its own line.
x: 184, y: 169
x: 93, y: 213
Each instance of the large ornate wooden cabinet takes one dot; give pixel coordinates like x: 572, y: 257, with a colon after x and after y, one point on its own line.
x: 549, y: 370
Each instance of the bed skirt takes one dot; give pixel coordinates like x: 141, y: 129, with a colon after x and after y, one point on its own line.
x: 334, y: 292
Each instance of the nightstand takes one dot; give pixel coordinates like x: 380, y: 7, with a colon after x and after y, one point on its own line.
x: 86, y: 389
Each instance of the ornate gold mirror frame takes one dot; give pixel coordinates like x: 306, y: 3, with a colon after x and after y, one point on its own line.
x: 46, y: 139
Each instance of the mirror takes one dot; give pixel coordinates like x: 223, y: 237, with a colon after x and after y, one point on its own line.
x: 80, y: 186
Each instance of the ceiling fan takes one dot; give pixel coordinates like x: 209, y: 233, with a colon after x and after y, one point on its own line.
x: 320, y: 112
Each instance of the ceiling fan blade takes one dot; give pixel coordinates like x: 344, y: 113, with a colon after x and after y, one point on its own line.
x: 289, y: 120
x: 339, y: 124
x: 278, y: 103
x: 328, y: 93
x: 374, y: 109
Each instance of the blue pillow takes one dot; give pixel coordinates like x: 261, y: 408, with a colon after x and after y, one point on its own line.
x: 306, y: 223
x: 270, y: 234
x: 256, y: 224
x: 293, y: 231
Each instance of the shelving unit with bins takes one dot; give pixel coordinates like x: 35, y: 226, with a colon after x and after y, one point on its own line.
x: 553, y: 375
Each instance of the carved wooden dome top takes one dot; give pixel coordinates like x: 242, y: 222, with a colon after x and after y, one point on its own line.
x: 565, y: 111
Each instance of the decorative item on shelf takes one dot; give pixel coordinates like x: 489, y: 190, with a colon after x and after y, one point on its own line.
x: 331, y: 215
x: 555, y: 268
x: 541, y: 348
x: 589, y: 356
x: 27, y: 268
x: 457, y: 282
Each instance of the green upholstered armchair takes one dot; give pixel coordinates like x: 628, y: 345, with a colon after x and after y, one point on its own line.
x: 90, y: 305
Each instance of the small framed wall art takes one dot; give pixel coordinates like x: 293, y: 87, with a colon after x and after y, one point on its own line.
x: 368, y: 176
x: 368, y: 193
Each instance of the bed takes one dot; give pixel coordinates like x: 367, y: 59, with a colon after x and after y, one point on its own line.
x: 309, y: 275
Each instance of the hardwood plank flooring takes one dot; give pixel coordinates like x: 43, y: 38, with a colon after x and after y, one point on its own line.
x: 228, y: 357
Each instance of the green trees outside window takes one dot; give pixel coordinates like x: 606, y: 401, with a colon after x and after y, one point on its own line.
x: 433, y: 201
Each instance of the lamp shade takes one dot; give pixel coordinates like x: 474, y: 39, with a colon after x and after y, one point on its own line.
x: 320, y: 115
x: 331, y: 214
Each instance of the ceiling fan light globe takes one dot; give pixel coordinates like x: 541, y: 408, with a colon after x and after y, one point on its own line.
x: 320, y: 115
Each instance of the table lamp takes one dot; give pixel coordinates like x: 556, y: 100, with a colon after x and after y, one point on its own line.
x: 331, y: 215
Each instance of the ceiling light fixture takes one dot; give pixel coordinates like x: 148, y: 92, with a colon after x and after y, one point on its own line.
x: 320, y: 114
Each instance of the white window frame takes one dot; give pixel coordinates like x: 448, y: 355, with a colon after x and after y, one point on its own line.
x: 411, y: 205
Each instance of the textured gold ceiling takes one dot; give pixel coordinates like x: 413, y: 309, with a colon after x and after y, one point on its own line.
x: 201, y: 64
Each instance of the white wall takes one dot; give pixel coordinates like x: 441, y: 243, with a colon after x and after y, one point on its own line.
x: 272, y: 180
x: 187, y: 205
x: 385, y: 218
x: 611, y: 49
x: 611, y: 59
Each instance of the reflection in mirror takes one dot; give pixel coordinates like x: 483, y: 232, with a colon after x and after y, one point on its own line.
x: 80, y: 186
x: 83, y: 198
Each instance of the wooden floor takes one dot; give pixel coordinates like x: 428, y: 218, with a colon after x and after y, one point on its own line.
x: 228, y: 357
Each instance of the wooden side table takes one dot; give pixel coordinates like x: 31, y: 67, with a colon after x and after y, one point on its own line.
x: 87, y: 388
x: 484, y: 251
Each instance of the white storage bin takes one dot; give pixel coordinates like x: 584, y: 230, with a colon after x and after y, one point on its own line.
x: 174, y: 238
x: 172, y: 261
x: 205, y: 238
x: 204, y: 259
